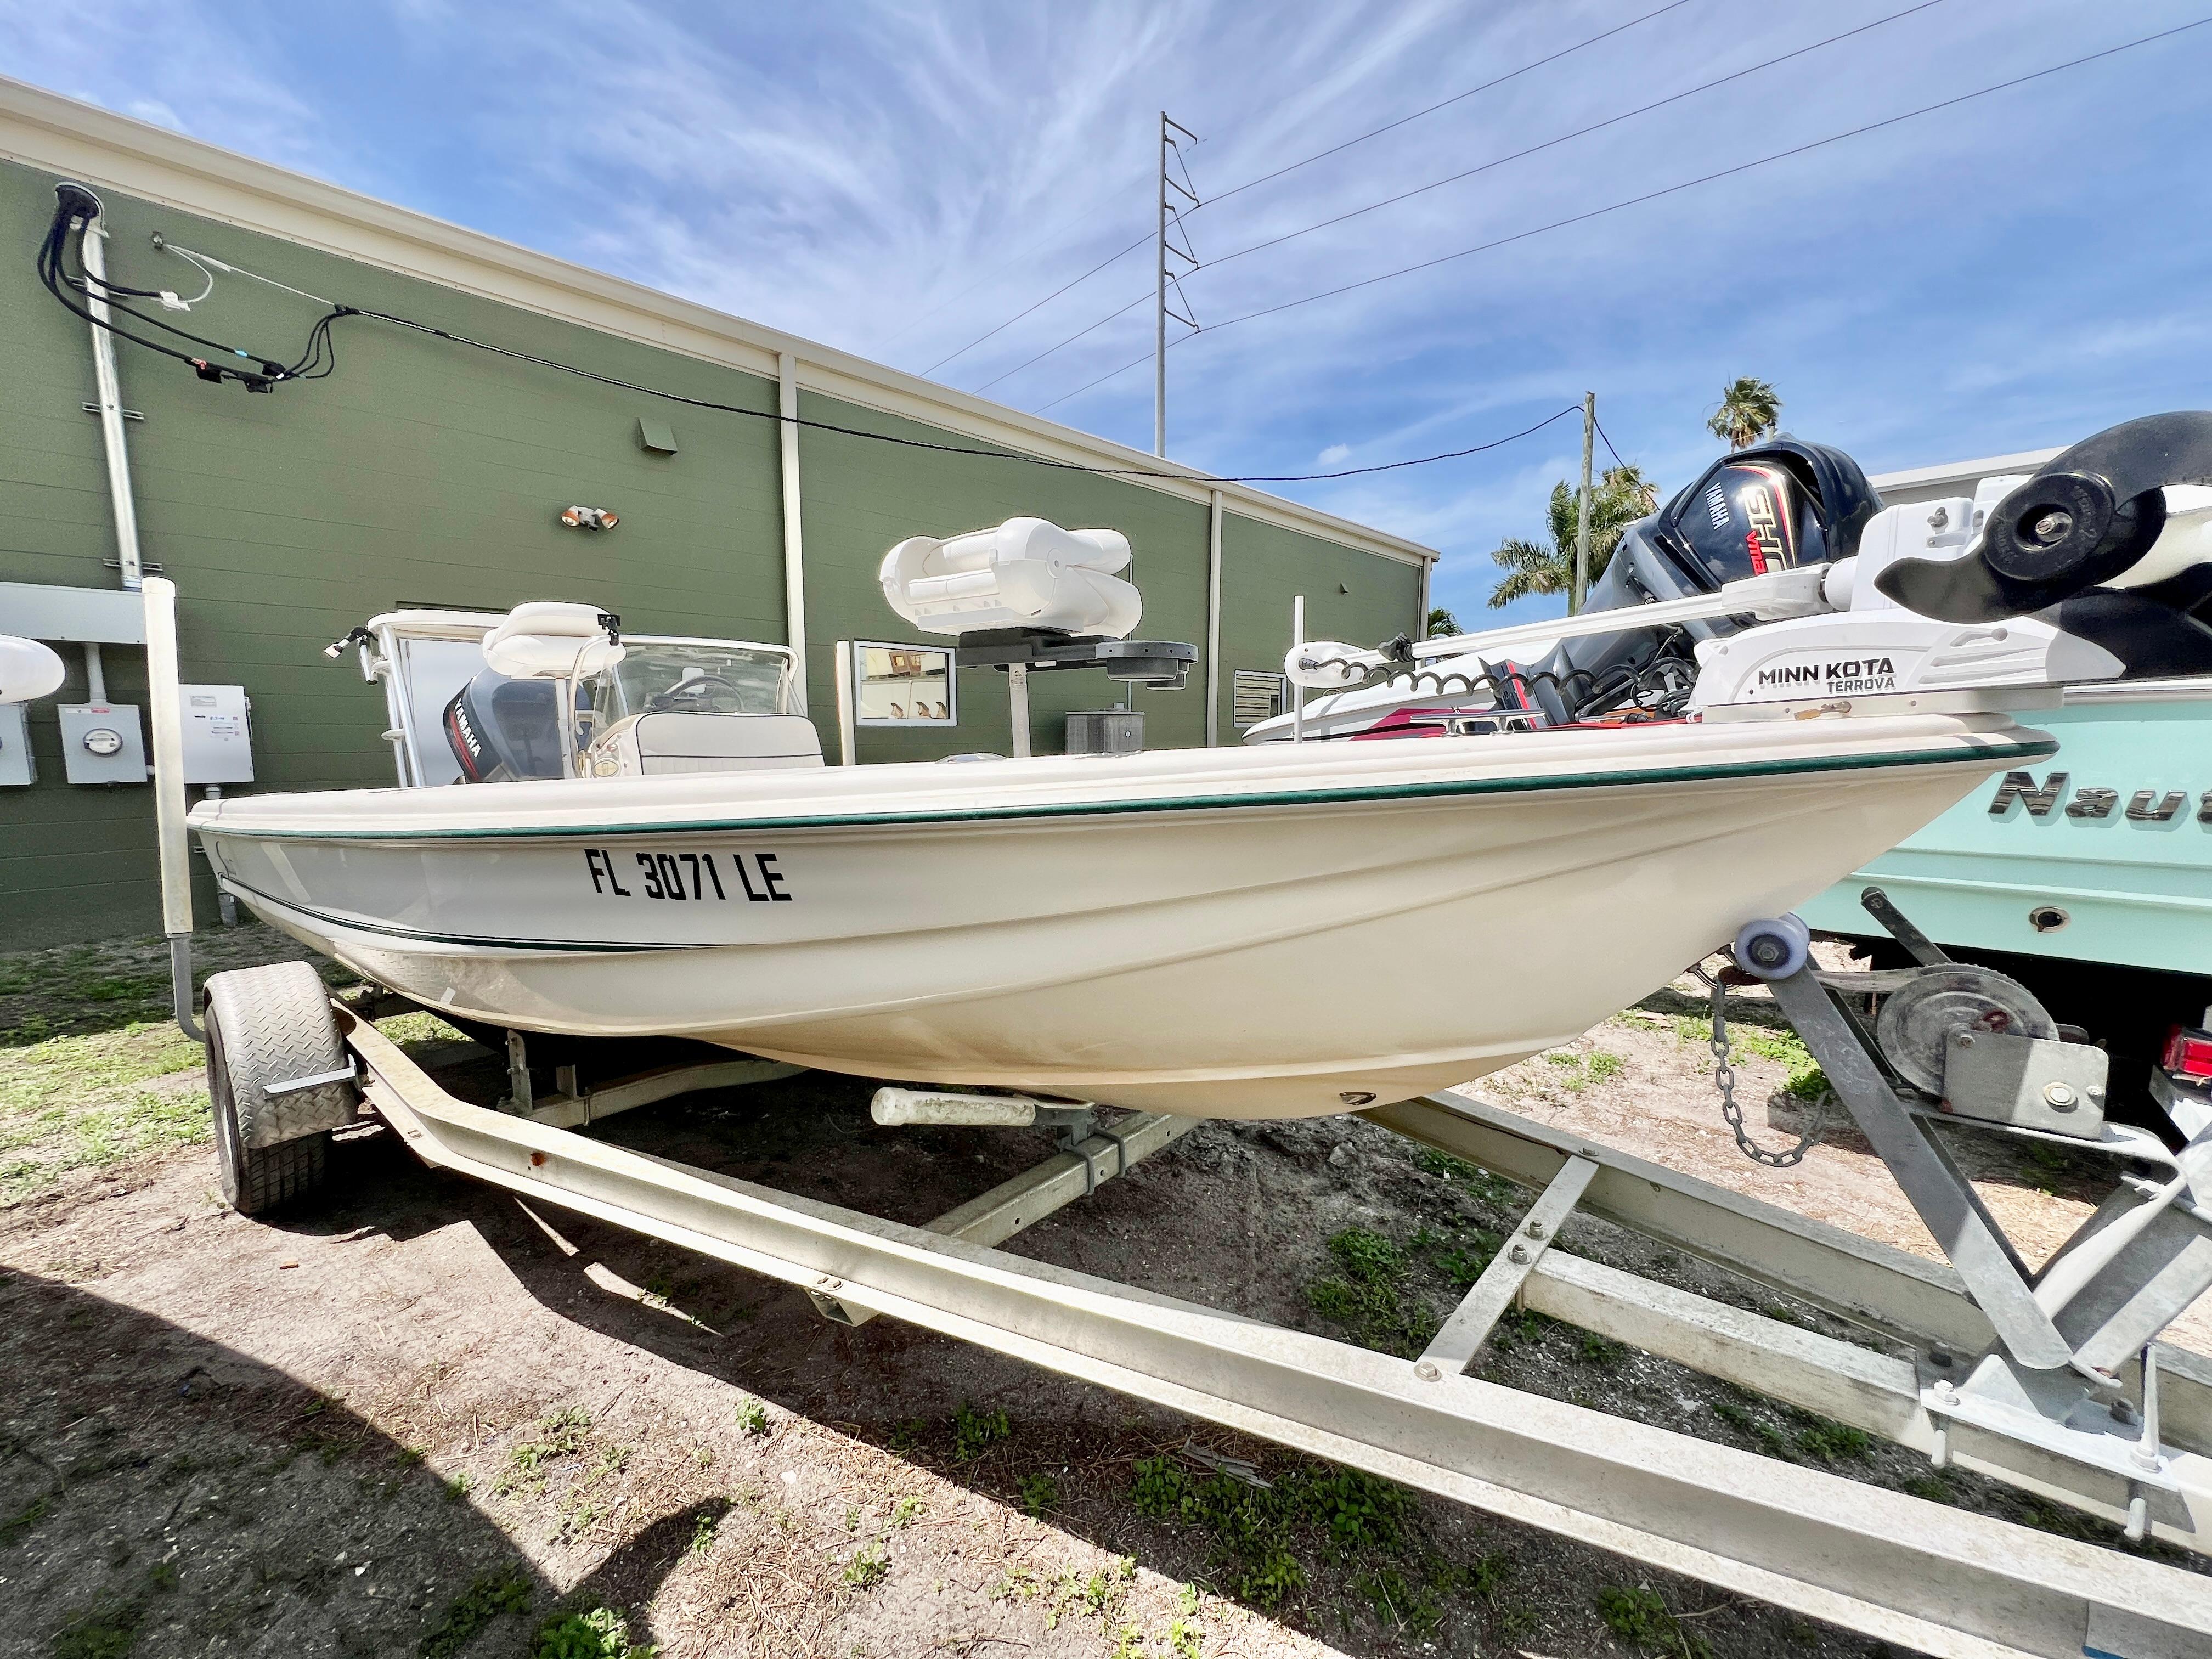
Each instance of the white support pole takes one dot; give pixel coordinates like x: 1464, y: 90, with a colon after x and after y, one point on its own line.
x: 1213, y: 620
x: 1298, y: 691
x: 849, y: 736
x: 1018, y: 696
x: 1426, y: 605
x: 165, y: 709
x: 794, y: 546
x: 109, y: 391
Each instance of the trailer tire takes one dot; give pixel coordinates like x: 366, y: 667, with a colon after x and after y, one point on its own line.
x: 268, y: 1025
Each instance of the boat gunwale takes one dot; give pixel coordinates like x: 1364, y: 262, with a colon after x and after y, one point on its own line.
x: 1983, y: 750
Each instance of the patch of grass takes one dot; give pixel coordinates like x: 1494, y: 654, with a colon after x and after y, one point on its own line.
x: 1832, y: 1442
x: 1806, y: 1081
x: 108, y: 1629
x: 560, y: 1434
x: 86, y: 1102
x: 458, y: 1487
x: 1368, y: 1296
x: 419, y: 1028
x: 488, y: 1596
x: 1040, y: 1494
x: 753, y: 1418
x: 17, y: 1527
x: 1594, y: 1350
x: 1492, y: 1189
x: 1257, y: 1529
x: 703, y: 1532
x: 598, y: 1633
x: 1771, y: 1440
x: 1604, y: 1064
x: 1639, y: 1617
x: 907, y: 1510
x: 868, y: 1568
x: 976, y: 1432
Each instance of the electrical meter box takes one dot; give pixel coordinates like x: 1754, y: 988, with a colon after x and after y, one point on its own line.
x: 218, y: 734
x: 17, y: 765
x: 101, y: 743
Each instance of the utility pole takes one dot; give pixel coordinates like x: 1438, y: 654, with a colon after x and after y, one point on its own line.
x: 1582, y: 515
x: 1160, y: 303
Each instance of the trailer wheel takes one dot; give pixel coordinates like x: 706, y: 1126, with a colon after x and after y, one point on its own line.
x: 271, y: 1025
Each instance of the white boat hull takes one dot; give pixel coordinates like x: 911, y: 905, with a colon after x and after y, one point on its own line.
x: 1250, y: 933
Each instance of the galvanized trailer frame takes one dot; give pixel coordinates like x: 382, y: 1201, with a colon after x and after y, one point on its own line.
x: 1906, y: 1570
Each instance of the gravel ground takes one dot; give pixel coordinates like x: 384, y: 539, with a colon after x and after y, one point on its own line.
x: 425, y: 1418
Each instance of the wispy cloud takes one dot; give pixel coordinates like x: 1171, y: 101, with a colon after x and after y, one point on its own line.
x: 896, y: 177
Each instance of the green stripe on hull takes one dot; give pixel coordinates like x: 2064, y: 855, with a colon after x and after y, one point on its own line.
x: 1994, y: 754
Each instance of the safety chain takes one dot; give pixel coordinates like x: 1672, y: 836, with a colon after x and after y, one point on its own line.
x: 1724, y: 1080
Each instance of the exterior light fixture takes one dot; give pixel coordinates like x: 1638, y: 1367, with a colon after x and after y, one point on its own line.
x: 589, y: 518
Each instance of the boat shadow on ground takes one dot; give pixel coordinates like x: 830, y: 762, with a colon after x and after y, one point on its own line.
x: 163, y: 1494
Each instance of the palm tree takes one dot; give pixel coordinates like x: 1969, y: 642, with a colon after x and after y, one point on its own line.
x: 1621, y: 496
x: 1749, y: 410
x: 1442, y: 624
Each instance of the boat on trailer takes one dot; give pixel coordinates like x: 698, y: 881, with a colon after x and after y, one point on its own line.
x: 2050, y: 1379
x: 647, y: 844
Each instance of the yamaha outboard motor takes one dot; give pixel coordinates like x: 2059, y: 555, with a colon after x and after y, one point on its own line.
x: 501, y: 728
x: 1770, y: 508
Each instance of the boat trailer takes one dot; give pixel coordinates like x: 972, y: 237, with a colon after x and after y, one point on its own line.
x: 2050, y: 1380
x: 1902, y: 1569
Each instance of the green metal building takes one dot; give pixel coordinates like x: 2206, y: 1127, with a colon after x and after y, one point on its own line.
x: 424, y: 473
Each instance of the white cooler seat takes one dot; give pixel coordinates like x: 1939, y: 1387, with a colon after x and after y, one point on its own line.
x: 1028, y: 573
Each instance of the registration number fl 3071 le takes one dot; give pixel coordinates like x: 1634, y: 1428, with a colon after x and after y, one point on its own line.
x: 687, y: 878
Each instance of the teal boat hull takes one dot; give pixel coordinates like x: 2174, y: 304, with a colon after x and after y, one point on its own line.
x: 2111, y: 863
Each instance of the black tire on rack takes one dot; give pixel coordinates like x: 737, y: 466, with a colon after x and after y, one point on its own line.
x: 268, y: 1025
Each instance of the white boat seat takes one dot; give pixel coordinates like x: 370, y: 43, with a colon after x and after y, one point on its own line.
x: 1027, y: 573
x: 658, y: 745
x: 550, y: 639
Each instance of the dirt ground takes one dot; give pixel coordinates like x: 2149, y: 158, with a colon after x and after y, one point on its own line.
x: 424, y: 1419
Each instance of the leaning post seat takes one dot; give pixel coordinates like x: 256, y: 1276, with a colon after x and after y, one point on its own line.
x: 1027, y: 573
x: 1031, y: 595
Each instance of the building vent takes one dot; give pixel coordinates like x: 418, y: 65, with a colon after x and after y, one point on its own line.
x: 1257, y: 696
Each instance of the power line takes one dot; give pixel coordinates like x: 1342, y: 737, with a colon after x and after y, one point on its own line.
x: 1579, y: 132
x: 1387, y: 126
x: 1250, y: 183
x: 1668, y: 190
x: 1468, y: 173
x: 1609, y: 449
x: 71, y: 212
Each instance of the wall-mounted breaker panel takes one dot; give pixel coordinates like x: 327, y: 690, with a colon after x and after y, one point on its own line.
x: 218, y: 734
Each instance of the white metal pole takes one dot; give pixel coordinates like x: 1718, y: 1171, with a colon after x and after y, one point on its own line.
x: 849, y: 745
x: 794, y: 553
x: 109, y: 391
x: 1426, y: 605
x: 1213, y: 620
x: 1297, y: 692
x: 1018, y: 696
x: 1583, y: 512
x: 165, y: 708
x: 1160, y: 308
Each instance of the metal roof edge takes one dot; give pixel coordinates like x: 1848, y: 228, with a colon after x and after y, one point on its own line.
x: 1920, y: 477
x: 71, y: 138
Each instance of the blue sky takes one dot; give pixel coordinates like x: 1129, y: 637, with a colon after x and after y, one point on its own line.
x: 895, y: 180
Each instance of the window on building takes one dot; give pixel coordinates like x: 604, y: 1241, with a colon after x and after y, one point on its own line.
x: 904, y: 684
x: 1256, y: 697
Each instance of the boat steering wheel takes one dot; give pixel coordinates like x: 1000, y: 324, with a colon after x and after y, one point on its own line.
x: 690, y: 689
